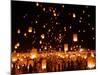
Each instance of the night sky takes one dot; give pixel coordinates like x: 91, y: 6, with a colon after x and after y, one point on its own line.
x: 51, y: 25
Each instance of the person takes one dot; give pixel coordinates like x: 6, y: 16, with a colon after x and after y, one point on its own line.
x: 30, y: 68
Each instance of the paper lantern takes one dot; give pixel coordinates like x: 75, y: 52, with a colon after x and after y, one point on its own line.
x: 33, y: 53
x: 42, y: 36
x: 75, y: 38
x: 18, y: 31
x: 65, y: 47
x: 30, y: 29
x: 44, y: 64
x: 91, y: 63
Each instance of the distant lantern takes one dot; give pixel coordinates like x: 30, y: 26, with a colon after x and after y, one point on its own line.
x: 54, y: 14
x: 74, y: 15
x: 44, y: 64
x: 15, y: 47
x: 18, y: 31
x: 18, y: 44
x: 25, y: 34
x: 30, y: 29
x: 33, y: 53
x: 65, y: 47
x: 42, y: 36
x: 91, y: 63
x: 14, y: 59
x: 75, y: 38
x: 37, y: 4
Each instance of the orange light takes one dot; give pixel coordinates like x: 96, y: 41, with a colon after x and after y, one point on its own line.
x: 75, y: 38
x: 54, y: 14
x: 74, y: 15
x: 18, y: 31
x: 14, y: 59
x: 30, y: 29
x: 44, y: 64
x: 42, y: 36
x: 91, y: 63
x: 65, y: 47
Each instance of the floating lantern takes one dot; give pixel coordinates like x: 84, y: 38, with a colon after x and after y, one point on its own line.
x: 25, y: 34
x: 15, y: 47
x: 14, y: 59
x: 44, y: 64
x: 92, y: 54
x: 65, y: 47
x: 74, y: 15
x: 18, y: 31
x: 33, y: 53
x: 18, y: 44
x: 91, y: 63
x: 30, y: 29
x: 75, y: 38
x: 42, y: 36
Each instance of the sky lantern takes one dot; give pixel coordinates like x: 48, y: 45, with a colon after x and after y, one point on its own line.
x: 18, y: 31
x: 91, y: 63
x: 30, y: 29
x: 75, y: 37
x: 33, y: 53
x: 42, y: 36
x: 65, y: 47
x: 44, y: 64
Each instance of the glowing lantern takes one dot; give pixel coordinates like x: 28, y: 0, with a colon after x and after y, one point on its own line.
x: 15, y: 47
x: 37, y: 4
x: 44, y: 64
x: 91, y: 63
x: 81, y: 49
x: 42, y: 36
x: 75, y: 38
x: 25, y: 34
x: 54, y: 14
x: 18, y: 67
x: 74, y: 15
x: 18, y: 31
x: 17, y: 44
x: 14, y: 59
x: 92, y: 54
x: 65, y: 47
x: 30, y: 29
x: 12, y: 66
x: 33, y: 53
x: 33, y: 56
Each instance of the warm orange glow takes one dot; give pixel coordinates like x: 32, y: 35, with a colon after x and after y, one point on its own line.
x: 42, y: 36
x: 17, y: 44
x: 44, y: 64
x: 81, y: 49
x: 37, y: 4
x: 30, y: 29
x: 25, y: 34
x: 74, y: 15
x: 54, y: 14
x: 75, y: 38
x: 14, y: 59
x: 91, y: 63
x: 18, y: 31
x: 33, y: 53
x: 15, y: 47
x: 33, y: 56
x: 92, y: 54
x: 65, y: 47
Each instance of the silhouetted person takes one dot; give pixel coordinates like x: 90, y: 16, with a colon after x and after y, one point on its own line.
x: 30, y: 68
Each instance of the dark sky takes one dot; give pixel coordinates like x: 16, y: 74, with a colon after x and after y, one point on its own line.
x: 56, y: 22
